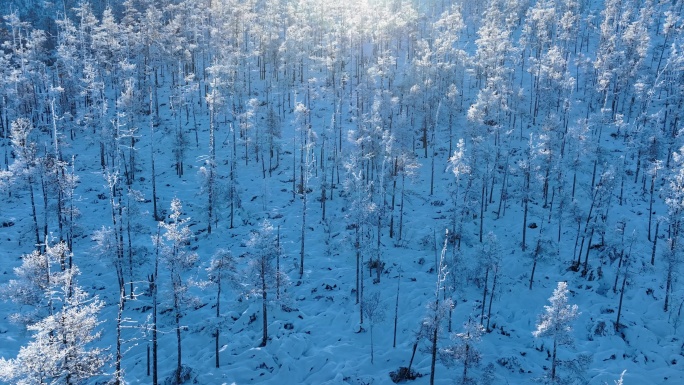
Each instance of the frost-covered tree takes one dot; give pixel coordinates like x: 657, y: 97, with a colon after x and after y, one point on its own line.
x: 597, y: 217
x: 494, y: 48
x: 437, y: 310
x: 544, y: 248
x: 221, y: 269
x: 674, y: 199
x: 623, y: 45
x: 262, y: 273
x: 464, y: 348
x: 208, y: 171
x: 28, y: 288
x: 359, y: 214
x: 374, y: 312
x: 62, y: 348
x: 556, y: 321
x: 306, y: 144
x: 459, y: 164
x: 34, y: 279
x: 179, y: 260
x: 489, y: 260
x: 25, y: 163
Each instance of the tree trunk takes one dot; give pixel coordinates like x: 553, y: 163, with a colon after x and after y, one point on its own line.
x: 534, y: 267
x: 179, y: 360
x: 357, y: 246
x: 278, y: 264
x: 361, y: 292
x: 401, y: 207
x: 218, y: 315
x: 130, y: 250
x: 650, y: 206
x: 301, y: 250
x: 33, y: 214
x: 154, y: 178
x: 483, y: 198
x: 154, y: 314
x: 396, y: 311
x: 668, y: 286
x: 371, y: 338
x: 524, y: 229
x: 585, y: 267
x: 465, y: 362
x: 413, y: 355
x: 553, y: 361
x: 117, y: 375
x: 212, y: 163
x: 491, y: 296
x: 434, y: 354
x: 264, y: 308
x: 622, y: 294
x: 484, y: 296
x: 655, y: 242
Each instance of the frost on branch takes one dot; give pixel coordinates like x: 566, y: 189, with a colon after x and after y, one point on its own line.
x: 60, y: 350
x: 555, y: 322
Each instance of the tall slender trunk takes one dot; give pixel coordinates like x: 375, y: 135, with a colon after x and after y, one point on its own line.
x: 465, y: 362
x: 264, y: 300
x: 401, y: 207
x: 650, y: 205
x: 413, y: 355
x: 154, y: 312
x: 130, y: 249
x: 357, y: 246
x: 553, y: 360
x: 278, y: 264
x: 622, y: 294
x: 177, y: 318
x: 371, y: 338
x: 434, y: 353
x: 396, y: 310
x: 301, y: 250
x: 668, y: 286
x: 491, y: 295
x: 34, y: 215
x: 361, y: 292
x: 534, y: 267
x: 483, y: 199
x: 212, y: 165
x: 655, y: 242
x: 218, y: 315
x: 154, y: 177
x: 585, y: 267
x: 524, y: 229
x: 484, y: 296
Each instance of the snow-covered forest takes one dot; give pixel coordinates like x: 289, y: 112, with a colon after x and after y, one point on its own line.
x: 341, y: 192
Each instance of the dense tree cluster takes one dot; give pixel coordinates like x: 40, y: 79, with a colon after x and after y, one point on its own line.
x: 554, y: 112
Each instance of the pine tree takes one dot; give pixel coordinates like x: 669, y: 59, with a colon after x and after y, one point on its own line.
x: 221, y: 269
x: 555, y: 322
x: 459, y: 164
x: 464, y: 349
x: 61, y: 350
x: 26, y: 162
x: 262, y: 273
x: 179, y: 260
x: 34, y: 280
x: 374, y: 312
x: 437, y: 310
